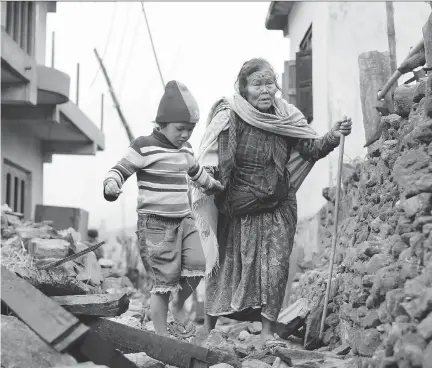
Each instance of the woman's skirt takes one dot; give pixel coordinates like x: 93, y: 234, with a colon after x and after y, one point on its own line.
x: 254, y: 254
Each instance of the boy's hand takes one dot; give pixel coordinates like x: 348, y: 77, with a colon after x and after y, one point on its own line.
x: 216, y: 187
x: 112, y: 189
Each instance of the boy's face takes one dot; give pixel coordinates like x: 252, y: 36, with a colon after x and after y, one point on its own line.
x: 178, y: 133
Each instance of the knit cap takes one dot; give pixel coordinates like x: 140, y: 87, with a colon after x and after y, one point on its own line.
x: 177, y: 105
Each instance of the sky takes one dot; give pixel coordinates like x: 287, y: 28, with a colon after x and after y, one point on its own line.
x: 200, y: 44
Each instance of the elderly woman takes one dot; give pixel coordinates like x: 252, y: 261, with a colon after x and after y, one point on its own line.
x: 261, y: 148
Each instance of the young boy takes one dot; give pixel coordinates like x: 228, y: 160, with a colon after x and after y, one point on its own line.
x: 170, y: 246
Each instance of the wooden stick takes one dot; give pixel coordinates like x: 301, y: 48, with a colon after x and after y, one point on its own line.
x: 72, y: 257
x: 335, y: 230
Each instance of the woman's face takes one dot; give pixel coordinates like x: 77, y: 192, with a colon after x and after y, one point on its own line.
x: 261, y: 89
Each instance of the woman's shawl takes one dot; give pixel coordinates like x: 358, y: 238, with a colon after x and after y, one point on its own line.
x: 288, y: 121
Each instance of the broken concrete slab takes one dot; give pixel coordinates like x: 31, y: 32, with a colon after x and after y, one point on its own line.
x: 36, y: 353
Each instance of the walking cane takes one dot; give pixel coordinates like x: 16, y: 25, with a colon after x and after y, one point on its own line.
x: 334, y: 239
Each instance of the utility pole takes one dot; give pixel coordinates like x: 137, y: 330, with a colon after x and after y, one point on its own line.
x: 116, y: 103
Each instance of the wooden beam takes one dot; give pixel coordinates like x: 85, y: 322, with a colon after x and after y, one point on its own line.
x: 56, y: 326
x: 44, y: 316
x: 99, y: 305
x: 169, y: 351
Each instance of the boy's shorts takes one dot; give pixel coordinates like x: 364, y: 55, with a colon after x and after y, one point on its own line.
x: 170, y: 248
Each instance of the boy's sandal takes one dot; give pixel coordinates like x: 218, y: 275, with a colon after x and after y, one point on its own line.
x: 181, y: 331
x: 271, y: 344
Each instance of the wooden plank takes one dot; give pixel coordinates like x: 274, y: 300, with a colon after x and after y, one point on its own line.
x: 374, y: 71
x: 169, y: 351
x: 99, y: 305
x: 44, y: 316
x: 56, y: 326
x: 100, y: 351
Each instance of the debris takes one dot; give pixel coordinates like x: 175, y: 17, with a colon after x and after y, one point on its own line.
x: 54, y: 325
x: 164, y: 349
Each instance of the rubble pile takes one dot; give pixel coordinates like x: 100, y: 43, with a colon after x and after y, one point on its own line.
x: 26, y: 246
x: 381, y: 295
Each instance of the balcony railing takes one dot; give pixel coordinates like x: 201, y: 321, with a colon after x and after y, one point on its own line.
x: 20, y: 24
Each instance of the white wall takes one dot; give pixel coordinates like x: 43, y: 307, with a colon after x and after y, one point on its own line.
x: 341, y: 32
x: 302, y: 15
x: 24, y: 151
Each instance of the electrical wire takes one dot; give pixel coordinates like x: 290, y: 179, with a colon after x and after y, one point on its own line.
x: 153, y: 47
x: 107, y: 42
x: 119, y: 53
x: 129, y: 57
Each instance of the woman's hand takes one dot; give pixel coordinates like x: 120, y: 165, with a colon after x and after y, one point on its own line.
x: 215, y: 188
x: 342, y: 127
x: 112, y: 189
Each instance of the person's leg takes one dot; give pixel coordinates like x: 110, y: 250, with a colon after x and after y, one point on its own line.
x: 267, y: 330
x: 159, y: 311
x: 209, y: 323
x: 192, y: 269
x: 188, y: 285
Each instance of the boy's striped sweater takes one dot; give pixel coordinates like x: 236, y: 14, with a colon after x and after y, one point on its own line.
x: 161, y: 170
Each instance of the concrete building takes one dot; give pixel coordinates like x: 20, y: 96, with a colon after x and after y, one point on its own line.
x: 322, y: 70
x: 38, y: 119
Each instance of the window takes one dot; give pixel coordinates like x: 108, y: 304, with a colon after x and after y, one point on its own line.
x: 16, y: 192
x: 304, y: 95
x: 20, y: 23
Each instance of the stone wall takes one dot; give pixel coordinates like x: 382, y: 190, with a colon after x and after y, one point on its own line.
x: 381, y: 294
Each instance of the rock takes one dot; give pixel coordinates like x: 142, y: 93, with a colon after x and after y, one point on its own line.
x: 223, y: 350
x: 46, y: 251
x: 106, y: 263
x: 142, y: 360
x: 377, y: 262
x: 254, y: 363
x: 244, y: 336
x: 425, y: 328
x: 371, y: 320
x: 295, y: 356
x: 27, y: 232
x: 367, y: 341
x: 403, y: 99
x: 292, y: 318
x: 420, y: 90
x: 313, y: 323
x: 410, y: 166
x: 279, y: 363
x: 92, y: 272
x: 398, y: 246
x: 21, y: 347
x: 263, y: 356
x: 422, y: 133
x: 408, y: 350
x: 427, y: 357
x: 221, y: 365
x: 343, y: 349
x: 255, y: 328
x: 243, y: 350
x: 117, y: 284
x: 417, y: 204
x: 420, y: 307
